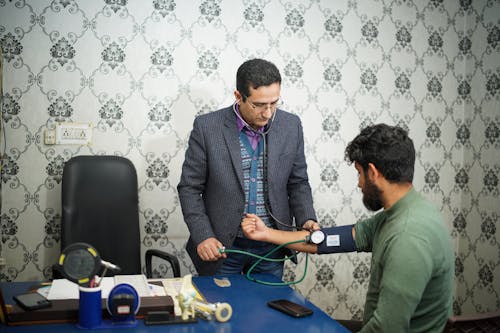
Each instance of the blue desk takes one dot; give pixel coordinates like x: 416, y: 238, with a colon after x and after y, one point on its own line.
x: 250, y: 312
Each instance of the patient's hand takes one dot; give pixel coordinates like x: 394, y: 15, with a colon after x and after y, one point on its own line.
x: 254, y: 228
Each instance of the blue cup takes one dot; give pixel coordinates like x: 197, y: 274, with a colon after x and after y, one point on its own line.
x: 90, y: 311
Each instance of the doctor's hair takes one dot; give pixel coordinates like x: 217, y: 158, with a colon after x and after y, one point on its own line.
x: 256, y: 73
x: 388, y: 148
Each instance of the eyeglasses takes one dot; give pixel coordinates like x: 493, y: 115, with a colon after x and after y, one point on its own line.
x: 261, y: 107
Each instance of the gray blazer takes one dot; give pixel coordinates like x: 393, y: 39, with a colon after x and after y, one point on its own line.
x: 211, y: 186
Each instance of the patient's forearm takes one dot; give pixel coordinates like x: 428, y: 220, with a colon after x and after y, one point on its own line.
x: 279, y: 237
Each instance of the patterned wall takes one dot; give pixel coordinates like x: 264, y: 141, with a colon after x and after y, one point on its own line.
x: 140, y: 71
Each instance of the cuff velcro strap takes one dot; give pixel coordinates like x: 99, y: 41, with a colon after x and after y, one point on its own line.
x: 337, y: 240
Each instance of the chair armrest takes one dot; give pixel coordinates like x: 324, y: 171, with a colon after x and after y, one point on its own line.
x: 174, y: 262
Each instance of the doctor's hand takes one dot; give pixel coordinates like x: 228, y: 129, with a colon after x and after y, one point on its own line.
x: 208, y: 250
x: 254, y: 228
x: 311, y: 225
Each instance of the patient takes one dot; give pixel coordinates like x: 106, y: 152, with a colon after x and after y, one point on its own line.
x: 410, y: 288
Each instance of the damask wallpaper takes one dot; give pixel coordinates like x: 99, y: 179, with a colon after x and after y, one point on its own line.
x: 140, y: 71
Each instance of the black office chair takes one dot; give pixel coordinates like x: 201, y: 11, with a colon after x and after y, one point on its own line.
x: 478, y: 323
x: 100, y: 207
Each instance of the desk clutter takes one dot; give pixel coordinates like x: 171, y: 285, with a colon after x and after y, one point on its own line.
x: 95, y: 302
x: 68, y: 309
x: 173, y: 300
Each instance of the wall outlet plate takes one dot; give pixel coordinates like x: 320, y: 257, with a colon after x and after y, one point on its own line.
x: 49, y: 137
x: 73, y: 133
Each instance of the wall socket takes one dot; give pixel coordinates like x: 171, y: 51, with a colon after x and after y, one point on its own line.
x: 49, y: 137
x: 3, y: 262
x: 69, y: 134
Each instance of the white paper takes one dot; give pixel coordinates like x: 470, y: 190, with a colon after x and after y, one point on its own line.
x: 138, y: 281
x: 157, y: 290
x: 65, y: 289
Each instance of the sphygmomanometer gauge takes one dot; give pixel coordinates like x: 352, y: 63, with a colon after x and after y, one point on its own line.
x: 79, y: 263
x: 317, y: 237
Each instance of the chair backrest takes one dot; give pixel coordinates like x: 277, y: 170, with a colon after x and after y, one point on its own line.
x: 100, y: 207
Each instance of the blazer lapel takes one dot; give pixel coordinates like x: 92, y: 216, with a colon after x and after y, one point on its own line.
x: 233, y: 143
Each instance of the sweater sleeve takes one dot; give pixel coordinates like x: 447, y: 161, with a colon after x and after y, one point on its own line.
x: 365, y: 230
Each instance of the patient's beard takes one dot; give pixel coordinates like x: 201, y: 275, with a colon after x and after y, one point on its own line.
x: 372, y: 196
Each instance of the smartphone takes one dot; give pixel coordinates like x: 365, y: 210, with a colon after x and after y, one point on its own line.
x: 32, y: 301
x: 290, y: 308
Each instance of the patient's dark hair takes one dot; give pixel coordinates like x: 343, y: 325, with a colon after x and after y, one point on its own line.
x: 255, y: 73
x: 388, y: 148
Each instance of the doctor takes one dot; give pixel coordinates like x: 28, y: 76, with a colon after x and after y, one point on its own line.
x: 245, y: 158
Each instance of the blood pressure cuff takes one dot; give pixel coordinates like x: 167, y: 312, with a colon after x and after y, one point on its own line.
x: 337, y: 240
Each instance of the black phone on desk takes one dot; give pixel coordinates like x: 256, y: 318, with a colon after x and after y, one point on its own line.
x: 32, y: 301
x: 290, y: 308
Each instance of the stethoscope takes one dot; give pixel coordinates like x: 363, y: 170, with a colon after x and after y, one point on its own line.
x: 268, y: 209
x: 263, y: 134
x: 250, y: 128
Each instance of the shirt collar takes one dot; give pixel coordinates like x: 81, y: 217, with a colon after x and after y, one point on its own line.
x: 408, y: 197
x: 241, y: 125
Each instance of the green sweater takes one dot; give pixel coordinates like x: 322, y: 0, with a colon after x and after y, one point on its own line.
x: 412, y: 268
